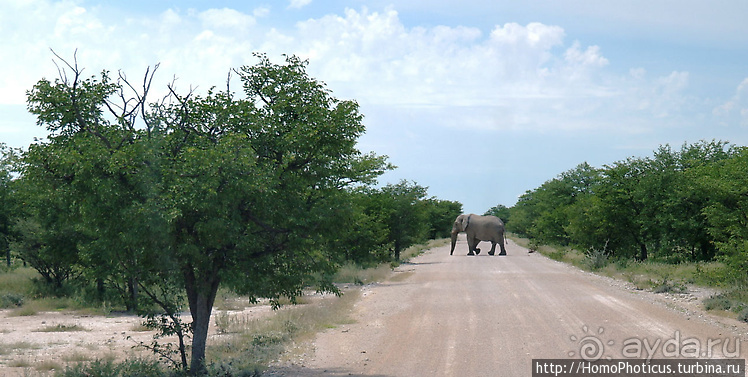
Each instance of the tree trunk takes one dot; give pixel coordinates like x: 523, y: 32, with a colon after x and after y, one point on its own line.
x: 201, y: 295
x: 100, y: 289
x: 132, y: 293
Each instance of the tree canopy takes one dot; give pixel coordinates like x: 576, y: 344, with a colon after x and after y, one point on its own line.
x: 678, y: 205
x: 172, y: 199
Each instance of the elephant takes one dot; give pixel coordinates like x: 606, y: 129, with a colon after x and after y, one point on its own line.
x: 479, y: 228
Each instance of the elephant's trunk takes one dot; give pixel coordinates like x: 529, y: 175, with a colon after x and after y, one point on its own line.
x: 454, y: 242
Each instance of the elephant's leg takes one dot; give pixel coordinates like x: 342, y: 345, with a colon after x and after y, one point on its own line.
x: 493, y: 248
x: 471, y: 245
x: 501, y: 244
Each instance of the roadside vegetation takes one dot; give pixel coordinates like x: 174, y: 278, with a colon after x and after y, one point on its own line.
x: 662, y: 223
x: 155, y: 206
x: 247, y: 345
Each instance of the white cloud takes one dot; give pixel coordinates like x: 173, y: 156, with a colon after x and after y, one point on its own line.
x: 516, y: 76
x: 298, y: 4
x: 735, y: 110
x: 261, y: 12
x: 513, y: 76
x: 437, y: 66
x: 226, y: 18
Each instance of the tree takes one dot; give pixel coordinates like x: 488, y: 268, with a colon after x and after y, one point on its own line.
x: 7, y: 157
x: 543, y: 213
x: 628, y: 203
x: 182, y: 196
x: 500, y: 211
x: 363, y: 237
x: 665, y: 206
x: 401, y: 208
x: 441, y: 215
x: 727, y: 209
x: 686, y: 223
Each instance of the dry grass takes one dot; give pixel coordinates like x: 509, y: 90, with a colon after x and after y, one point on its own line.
x: 21, y: 362
x: 352, y: 274
x: 77, y: 357
x: 139, y: 327
x: 62, y: 328
x: 253, y: 343
x: 419, y: 249
x: 9, y: 348
x: 47, y: 366
x: 400, y: 276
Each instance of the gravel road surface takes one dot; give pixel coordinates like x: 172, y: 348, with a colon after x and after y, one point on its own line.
x: 443, y: 315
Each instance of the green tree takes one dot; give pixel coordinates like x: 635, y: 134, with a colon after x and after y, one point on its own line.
x: 544, y: 213
x: 441, y: 215
x: 727, y: 209
x: 363, y: 236
x: 7, y: 197
x: 661, y: 206
x: 501, y: 211
x: 400, y: 207
x: 627, y: 205
x: 685, y: 224
x: 198, y: 191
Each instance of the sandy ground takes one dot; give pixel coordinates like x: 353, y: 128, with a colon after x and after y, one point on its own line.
x: 439, y: 315
x: 481, y: 316
x: 26, y: 342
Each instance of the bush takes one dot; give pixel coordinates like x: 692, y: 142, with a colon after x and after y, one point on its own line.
x: 10, y: 300
x: 743, y: 315
x: 717, y: 302
x: 668, y: 286
x: 597, y: 258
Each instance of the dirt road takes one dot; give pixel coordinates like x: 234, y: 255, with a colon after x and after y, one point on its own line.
x: 456, y: 315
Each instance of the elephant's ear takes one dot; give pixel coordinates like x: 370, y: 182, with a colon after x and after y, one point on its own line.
x: 463, y: 223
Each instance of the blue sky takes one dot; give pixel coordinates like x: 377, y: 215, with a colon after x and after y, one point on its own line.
x: 478, y: 100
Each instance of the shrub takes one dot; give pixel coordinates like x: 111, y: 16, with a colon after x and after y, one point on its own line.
x: 668, y: 286
x: 743, y: 315
x: 597, y: 258
x: 10, y: 300
x: 717, y: 302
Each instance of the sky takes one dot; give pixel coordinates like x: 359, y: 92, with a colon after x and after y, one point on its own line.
x: 478, y: 100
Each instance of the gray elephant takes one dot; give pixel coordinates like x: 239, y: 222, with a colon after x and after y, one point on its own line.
x: 479, y: 228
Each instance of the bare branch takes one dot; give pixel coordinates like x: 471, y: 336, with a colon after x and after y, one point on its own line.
x: 228, y: 82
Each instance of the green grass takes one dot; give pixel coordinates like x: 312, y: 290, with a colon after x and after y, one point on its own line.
x: 19, y: 281
x: 16, y: 286
x: 109, y: 368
